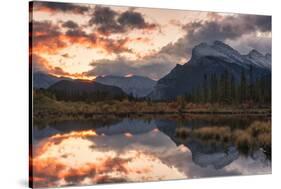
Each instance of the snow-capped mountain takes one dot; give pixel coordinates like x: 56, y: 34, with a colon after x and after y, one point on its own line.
x: 217, y: 49
x: 258, y: 59
x: 215, y: 58
x: 223, y: 51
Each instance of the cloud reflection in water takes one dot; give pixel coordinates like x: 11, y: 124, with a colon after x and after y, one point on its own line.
x: 84, y: 158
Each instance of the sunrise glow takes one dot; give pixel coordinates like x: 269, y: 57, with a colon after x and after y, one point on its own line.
x: 79, y: 42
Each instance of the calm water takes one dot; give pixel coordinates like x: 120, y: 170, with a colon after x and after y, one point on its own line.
x: 129, y: 150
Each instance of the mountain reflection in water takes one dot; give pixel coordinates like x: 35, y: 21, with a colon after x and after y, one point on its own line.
x: 130, y: 151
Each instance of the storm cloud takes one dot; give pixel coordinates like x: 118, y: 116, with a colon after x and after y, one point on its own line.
x: 54, y: 7
x: 133, y: 20
x: 108, y: 21
x: 40, y: 64
x: 239, y: 31
x: 153, y: 67
x: 229, y: 28
x: 47, y: 37
x: 109, y: 30
x: 70, y: 24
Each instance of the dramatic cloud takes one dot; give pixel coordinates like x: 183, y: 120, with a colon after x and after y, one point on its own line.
x: 70, y: 24
x: 250, y: 41
x: 226, y: 28
x: 131, y: 36
x: 109, y: 21
x: 154, y: 67
x: 40, y: 64
x: 103, y: 15
x: 231, y: 29
x: 55, y: 7
x: 48, y: 38
x: 132, y: 19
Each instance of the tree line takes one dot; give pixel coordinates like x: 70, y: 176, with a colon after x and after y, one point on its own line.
x: 224, y: 88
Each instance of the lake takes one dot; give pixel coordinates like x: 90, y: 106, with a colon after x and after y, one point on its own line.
x: 139, y: 149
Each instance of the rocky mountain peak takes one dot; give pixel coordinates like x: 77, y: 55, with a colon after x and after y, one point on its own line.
x: 268, y: 56
x: 204, y: 49
x: 254, y: 53
x: 259, y: 59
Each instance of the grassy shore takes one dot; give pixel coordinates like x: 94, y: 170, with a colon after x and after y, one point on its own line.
x: 253, y: 133
x: 256, y: 135
x: 45, y: 107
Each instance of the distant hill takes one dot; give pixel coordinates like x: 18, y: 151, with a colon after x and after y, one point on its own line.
x: 138, y: 86
x: 208, y: 61
x: 43, y: 80
x: 84, y: 90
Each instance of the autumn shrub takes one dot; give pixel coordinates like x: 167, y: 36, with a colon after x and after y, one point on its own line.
x: 213, y: 132
x: 183, y: 132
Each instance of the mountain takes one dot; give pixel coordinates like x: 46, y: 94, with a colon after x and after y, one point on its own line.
x: 203, y: 154
x: 207, y: 60
x: 258, y: 59
x: 42, y: 80
x: 84, y: 90
x: 138, y: 86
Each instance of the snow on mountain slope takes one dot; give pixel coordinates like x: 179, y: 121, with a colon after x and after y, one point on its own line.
x: 225, y: 52
x: 258, y: 59
x: 215, y: 58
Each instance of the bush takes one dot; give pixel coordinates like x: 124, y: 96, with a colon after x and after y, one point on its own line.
x: 259, y: 127
x: 243, y: 141
x: 183, y: 132
x: 257, y: 135
x: 213, y: 132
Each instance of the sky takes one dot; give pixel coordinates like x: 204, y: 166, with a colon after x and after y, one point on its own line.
x: 84, y: 41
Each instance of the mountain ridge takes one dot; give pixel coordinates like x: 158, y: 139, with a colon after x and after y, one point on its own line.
x: 138, y: 86
x: 215, y: 58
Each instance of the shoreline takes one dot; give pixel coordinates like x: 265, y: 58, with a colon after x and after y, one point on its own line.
x: 54, y: 116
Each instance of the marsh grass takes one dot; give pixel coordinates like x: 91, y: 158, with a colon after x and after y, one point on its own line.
x: 256, y: 135
x: 45, y: 107
x: 183, y: 132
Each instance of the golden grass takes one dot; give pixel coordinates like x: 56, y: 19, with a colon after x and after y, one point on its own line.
x: 46, y: 106
x: 256, y: 135
x: 212, y: 132
x: 183, y: 132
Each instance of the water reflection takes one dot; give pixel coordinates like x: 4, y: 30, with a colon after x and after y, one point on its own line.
x: 77, y: 158
x: 132, y: 150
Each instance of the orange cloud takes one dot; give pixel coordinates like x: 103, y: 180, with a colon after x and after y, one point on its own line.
x: 41, y: 64
x: 48, y: 38
x: 45, y: 37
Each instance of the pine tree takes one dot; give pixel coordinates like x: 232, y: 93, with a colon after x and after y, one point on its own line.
x: 243, y: 86
x: 251, y: 83
x: 215, y: 88
x: 232, y: 90
x: 205, y: 88
x: 226, y: 86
